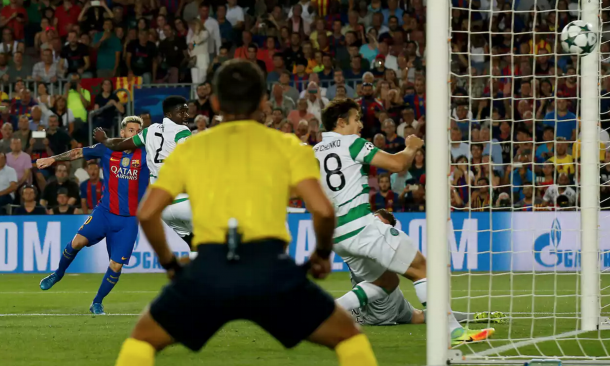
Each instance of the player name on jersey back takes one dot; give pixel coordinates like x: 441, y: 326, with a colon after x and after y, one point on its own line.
x: 331, y: 145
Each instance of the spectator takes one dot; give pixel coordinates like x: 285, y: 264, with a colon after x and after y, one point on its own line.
x: 141, y: 58
x: 92, y: 17
x: 418, y: 167
x: 23, y: 130
x: 407, y: 120
x: 369, y: 109
x: 9, y: 45
x: 8, y: 182
x: 59, y: 141
x: 23, y: 106
x: 107, y: 118
x: 198, y: 49
x: 315, y: 101
x: 301, y: 113
x: 252, y: 52
x: 398, y: 181
x: 280, y: 100
x: 5, y: 113
x: 63, y: 208
x: 78, y: 98
x: 211, y: 25
x: 289, y: 90
x: 246, y: 41
x: 235, y: 14
x: 44, y: 99
x: 529, y: 201
x: 418, y: 100
x: 458, y: 146
x: 37, y: 123
x: 225, y: 27
x: 561, y: 189
x: 392, y: 10
x: 491, y: 148
x: 325, y: 71
x: 339, y: 81
x: 109, y: 48
x: 385, y: 197
x: 394, y: 142
x: 415, y: 200
x: 545, y: 150
x: 18, y: 70
x: 49, y: 195
x: 67, y: 16
x: 481, y: 199
x: 294, y: 52
x: 7, y: 134
x: 297, y: 24
x: 172, y: 53
x: 313, y: 77
x: 277, y: 120
x: 46, y: 70
x: 564, y: 162
x: 273, y: 76
x: 76, y: 56
x: 369, y: 50
x: 204, y: 107
x: 562, y: 120
x: 201, y: 122
x: 20, y: 161
x: 14, y: 17
x: 389, y: 60
x: 65, y: 114
x: 29, y: 205
x: 356, y: 70
x: 341, y: 92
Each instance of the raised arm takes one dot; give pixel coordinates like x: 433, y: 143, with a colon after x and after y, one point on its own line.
x: 116, y: 144
x: 67, y: 156
x: 400, y: 161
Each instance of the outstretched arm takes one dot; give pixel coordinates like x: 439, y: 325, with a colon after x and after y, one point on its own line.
x: 401, y: 160
x: 116, y: 144
x: 67, y: 156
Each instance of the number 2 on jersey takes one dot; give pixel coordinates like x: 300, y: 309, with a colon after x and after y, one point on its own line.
x: 157, y: 160
x: 336, y: 171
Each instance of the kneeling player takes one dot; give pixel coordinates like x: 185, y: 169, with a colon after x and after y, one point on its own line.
x: 126, y: 179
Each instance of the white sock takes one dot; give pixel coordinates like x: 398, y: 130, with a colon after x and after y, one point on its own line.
x: 362, y: 294
x: 421, y: 290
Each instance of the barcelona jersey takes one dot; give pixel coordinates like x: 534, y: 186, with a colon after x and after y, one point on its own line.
x: 125, y: 178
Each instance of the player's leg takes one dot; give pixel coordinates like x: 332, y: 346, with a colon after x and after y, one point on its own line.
x: 90, y: 233
x: 146, y: 339
x: 178, y: 217
x: 378, y: 286
x: 372, y: 272
x: 121, y: 239
x: 339, y: 332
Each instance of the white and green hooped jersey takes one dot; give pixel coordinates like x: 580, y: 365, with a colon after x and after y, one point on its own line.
x: 344, y: 165
x: 160, y: 139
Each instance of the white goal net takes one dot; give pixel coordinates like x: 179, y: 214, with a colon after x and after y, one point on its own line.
x: 529, y: 180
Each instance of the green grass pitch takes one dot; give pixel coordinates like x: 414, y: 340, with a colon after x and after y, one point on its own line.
x: 40, y: 340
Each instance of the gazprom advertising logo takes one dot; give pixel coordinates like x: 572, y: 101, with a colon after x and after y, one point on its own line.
x: 548, y: 254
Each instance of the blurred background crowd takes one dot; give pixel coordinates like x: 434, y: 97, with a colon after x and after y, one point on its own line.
x: 514, y: 126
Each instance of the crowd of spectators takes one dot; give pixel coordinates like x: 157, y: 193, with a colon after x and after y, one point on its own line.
x: 514, y: 129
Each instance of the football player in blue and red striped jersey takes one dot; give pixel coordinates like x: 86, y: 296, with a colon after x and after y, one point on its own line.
x: 126, y: 179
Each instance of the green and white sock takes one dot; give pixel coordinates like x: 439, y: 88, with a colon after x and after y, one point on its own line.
x: 361, y: 295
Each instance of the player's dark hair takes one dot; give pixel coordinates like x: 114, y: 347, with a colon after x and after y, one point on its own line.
x: 386, y: 215
x: 253, y: 46
x: 93, y: 162
x: 170, y: 103
x: 239, y: 86
x: 62, y: 191
x: 338, y: 108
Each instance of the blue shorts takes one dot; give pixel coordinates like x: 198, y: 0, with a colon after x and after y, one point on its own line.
x: 120, y: 232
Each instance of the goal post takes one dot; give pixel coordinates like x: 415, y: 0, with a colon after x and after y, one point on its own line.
x: 589, y: 217
x: 545, y: 266
x: 437, y: 201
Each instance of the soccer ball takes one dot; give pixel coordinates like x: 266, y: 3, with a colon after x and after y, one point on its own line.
x: 578, y: 38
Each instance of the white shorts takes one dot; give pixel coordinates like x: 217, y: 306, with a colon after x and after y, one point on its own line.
x: 178, y: 216
x: 376, y: 249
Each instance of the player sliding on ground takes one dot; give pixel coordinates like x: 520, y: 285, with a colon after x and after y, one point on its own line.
x: 160, y: 139
x: 394, y: 309
x: 126, y: 179
x: 374, y: 251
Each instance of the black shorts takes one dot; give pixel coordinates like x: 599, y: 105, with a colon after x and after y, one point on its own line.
x: 265, y: 286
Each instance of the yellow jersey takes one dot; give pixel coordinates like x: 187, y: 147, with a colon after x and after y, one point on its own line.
x: 563, y: 165
x: 240, y: 170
